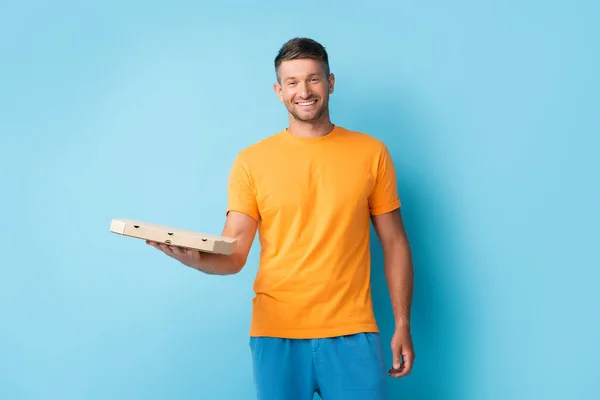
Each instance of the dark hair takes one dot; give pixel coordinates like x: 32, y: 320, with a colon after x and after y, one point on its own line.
x: 298, y: 48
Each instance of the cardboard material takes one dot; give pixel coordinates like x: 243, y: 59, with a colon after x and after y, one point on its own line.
x: 177, y: 237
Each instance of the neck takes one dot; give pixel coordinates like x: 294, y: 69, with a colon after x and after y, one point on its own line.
x: 311, y: 129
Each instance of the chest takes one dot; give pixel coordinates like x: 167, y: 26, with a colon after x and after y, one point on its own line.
x: 314, y: 183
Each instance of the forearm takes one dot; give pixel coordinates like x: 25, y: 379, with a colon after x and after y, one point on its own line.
x: 219, y: 264
x: 400, y: 279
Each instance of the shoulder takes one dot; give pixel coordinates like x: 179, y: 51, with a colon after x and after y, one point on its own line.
x: 258, y: 150
x: 368, y: 142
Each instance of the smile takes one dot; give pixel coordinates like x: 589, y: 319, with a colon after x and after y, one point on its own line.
x: 306, y: 103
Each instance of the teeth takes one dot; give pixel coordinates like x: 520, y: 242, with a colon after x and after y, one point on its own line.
x: 307, y: 103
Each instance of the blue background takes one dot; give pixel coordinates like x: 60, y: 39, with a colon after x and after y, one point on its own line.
x: 137, y: 109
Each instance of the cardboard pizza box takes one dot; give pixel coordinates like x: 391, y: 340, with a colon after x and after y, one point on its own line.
x: 174, y: 236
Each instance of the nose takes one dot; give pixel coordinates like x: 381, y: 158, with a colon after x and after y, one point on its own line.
x: 303, y: 90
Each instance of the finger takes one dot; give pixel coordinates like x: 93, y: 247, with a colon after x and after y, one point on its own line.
x: 195, y: 255
x: 397, y: 372
x: 189, y: 254
x: 396, y: 353
x: 394, y: 372
x: 153, y: 244
x: 166, y: 249
x: 408, y: 364
x: 177, y: 251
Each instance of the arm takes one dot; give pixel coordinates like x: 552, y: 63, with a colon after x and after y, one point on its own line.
x: 241, y: 224
x: 399, y: 275
x: 397, y: 263
x: 237, y: 225
x: 241, y: 227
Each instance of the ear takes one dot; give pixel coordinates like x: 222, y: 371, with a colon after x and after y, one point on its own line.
x: 278, y: 91
x: 331, y: 83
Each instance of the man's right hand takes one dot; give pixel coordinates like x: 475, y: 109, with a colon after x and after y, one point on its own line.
x: 237, y: 225
x: 188, y: 257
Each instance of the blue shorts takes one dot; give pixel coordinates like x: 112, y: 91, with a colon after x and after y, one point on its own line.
x: 339, y: 368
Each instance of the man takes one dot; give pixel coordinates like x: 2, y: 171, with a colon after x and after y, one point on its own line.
x: 311, y: 191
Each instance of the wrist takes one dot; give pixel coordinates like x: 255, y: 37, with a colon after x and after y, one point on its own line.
x: 402, y: 323
x: 218, y: 264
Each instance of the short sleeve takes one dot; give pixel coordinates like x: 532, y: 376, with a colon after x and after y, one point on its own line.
x: 384, y: 197
x: 241, y: 195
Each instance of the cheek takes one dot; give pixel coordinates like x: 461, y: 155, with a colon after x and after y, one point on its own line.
x: 321, y: 91
x: 288, y: 96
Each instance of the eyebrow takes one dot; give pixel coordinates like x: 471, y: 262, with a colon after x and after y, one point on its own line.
x: 309, y: 76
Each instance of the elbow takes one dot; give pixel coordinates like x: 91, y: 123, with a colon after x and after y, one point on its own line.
x: 397, y: 244
x: 237, y: 264
x: 236, y: 269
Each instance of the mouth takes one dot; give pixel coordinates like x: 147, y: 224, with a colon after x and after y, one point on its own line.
x: 306, y: 104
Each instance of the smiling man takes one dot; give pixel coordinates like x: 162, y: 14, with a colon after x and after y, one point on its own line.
x: 307, y: 88
x: 311, y: 192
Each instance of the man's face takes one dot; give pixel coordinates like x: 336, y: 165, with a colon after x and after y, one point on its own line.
x: 304, y: 89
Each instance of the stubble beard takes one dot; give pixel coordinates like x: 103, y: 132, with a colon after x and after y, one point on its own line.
x: 316, y: 118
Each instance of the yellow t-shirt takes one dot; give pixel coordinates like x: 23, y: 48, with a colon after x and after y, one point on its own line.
x: 313, y: 198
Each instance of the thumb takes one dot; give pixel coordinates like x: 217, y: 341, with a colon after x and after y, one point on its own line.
x: 397, y: 351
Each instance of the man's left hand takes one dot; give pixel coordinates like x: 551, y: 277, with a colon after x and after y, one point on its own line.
x: 402, y: 346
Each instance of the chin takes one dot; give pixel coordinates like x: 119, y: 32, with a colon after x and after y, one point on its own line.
x: 309, y: 116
